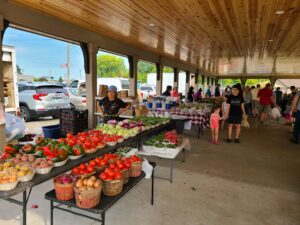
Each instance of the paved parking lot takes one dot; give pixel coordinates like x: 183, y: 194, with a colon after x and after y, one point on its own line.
x: 45, y: 121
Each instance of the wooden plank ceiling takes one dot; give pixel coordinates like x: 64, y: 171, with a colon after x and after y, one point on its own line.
x: 216, y: 35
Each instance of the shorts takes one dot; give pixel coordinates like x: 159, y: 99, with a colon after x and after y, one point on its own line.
x: 255, y: 105
x: 234, y: 119
x: 265, y: 108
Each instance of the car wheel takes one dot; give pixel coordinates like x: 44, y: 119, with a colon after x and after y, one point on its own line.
x: 24, y: 113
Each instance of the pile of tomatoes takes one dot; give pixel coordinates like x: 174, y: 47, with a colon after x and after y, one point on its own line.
x: 172, y: 137
x: 83, y: 169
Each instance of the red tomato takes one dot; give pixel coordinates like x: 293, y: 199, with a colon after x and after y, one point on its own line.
x: 128, y: 165
x: 112, y: 166
x: 103, y: 176
x: 88, y: 144
x: 82, y: 171
x: 98, y: 160
x: 72, y: 143
x: 121, y: 166
x: 118, y: 175
x: 84, y: 134
x: 92, y: 163
x: 111, y: 174
x: 116, y: 169
x: 69, y: 135
x: 82, y: 139
x: 61, y: 140
x: 75, y: 170
x: 82, y: 166
x: 103, y: 163
x: 90, y: 169
x: 119, y: 161
x: 96, y: 140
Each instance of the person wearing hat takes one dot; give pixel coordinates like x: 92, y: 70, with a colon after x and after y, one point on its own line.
x: 111, y: 106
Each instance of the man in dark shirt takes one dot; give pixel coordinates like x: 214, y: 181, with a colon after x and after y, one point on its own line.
x: 235, y: 113
x: 167, y: 93
x: 111, y: 106
x: 217, y: 91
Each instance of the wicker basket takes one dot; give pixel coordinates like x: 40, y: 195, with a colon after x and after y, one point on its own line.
x: 64, y: 192
x: 136, y: 169
x: 112, y: 187
x: 88, y: 198
x: 125, y: 176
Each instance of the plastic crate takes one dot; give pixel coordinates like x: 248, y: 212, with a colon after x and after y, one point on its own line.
x: 73, y: 121
x: 52, y: 131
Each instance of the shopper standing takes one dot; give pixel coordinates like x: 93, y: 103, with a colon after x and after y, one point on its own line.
x: 214, y: 124
x: 167, y: 92
x: 255, y: 100
x: 295, y: 110
x: 198, y: 95
x: 208, y: 92
x: 235, y: 113
x: 266, y: 99
x: 217, y: 91
x: 190, y: 94
x: 248, y: 100
x: 278, y: 96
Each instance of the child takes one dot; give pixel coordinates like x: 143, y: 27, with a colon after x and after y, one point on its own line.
x: 214, y: 124
x: 224, y: 111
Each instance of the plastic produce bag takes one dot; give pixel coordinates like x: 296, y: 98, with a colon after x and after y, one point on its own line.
x: 245, y: 123
x: 15, y: 127
x: 147, y: 168
x: 275, y: 113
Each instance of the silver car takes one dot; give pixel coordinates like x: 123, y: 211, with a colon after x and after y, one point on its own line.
x: 77, y: 94
x: 41, y: 99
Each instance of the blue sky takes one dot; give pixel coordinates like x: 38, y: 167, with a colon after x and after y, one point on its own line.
x: 42, y: 56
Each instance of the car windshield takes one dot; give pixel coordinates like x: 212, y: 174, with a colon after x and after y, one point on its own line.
x: 125, y: 84
x: 146, y: 88
x: 47, y: 89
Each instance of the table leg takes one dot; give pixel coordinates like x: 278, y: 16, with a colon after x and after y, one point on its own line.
x: 24, y: 210
x: 171, y: 171
x: 152, y: 187
x: 103, y: 218
x: 51, y: 212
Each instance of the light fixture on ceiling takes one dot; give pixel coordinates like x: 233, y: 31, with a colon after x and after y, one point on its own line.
x: 279, y: 12
x: 270, y: 40
x: 151, y: 24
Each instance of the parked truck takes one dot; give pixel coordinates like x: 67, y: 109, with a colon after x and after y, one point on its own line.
x: 11, y: 98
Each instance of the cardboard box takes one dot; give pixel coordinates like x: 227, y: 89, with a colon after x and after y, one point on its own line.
x: 140, y: 110
x: 102, y: 92
x: 123, y: 94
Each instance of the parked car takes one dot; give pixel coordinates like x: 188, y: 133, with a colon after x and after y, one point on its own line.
x: 77, y: 95
x: 147, y: 90
x: 41, y: 99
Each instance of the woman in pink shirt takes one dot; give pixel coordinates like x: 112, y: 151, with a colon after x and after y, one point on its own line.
x: 175, y: 94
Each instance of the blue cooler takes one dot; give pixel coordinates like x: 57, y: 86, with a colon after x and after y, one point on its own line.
x: 52, y: 131
x: 168, y: 105
x: 149, y: 105
x: 158, y: 105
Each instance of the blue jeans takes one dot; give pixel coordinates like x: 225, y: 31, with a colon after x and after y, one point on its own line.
x: 248, y: 108
x: 297, y: 126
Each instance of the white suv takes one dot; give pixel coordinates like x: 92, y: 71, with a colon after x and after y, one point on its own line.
x: 147, y: 90
x: 40, y: 99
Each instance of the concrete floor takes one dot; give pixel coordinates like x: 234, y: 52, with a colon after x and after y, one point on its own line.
x: 256, y: 182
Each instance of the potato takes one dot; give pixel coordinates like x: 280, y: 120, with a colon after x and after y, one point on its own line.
x: 97, y: 184
x: 79, y: 183
x: 18, y: 156
x: 7, y: 164
x: 90, y: 183
x: 24, y: 158
x: 34, y: 165
x: 31, y: 158
x: 93, y: 178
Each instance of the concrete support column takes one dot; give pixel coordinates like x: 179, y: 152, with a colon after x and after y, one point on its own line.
x: 208, y: 81
x: 273, y: 81
x: 212, y: 84
x: 91, y: 82
x: 243, y: 81
x: 187, y: 81
x: 196, y: 81
x: 133, y: 62
x: 175, y: 83
x: 2, y: 127
x: 159, y: 74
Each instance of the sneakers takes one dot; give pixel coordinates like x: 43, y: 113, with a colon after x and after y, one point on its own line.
x: 235, y: 140
x: 294, y: 141
x: 228, y: 140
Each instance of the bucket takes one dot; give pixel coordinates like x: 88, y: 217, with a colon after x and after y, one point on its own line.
x: 52, y: 131
x: 64, y: 192
x: 149, y: 105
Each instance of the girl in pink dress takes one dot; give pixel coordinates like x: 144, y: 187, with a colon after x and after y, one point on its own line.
x: 214, y: 124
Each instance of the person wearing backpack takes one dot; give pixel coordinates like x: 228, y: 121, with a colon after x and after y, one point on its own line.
x: 295, y: 110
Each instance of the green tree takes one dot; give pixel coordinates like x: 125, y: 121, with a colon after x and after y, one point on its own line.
x: 111, y: 66
x: 60, y: 80
x: 168, y: 69
x: 19, y: 70
x: 143, y: 69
